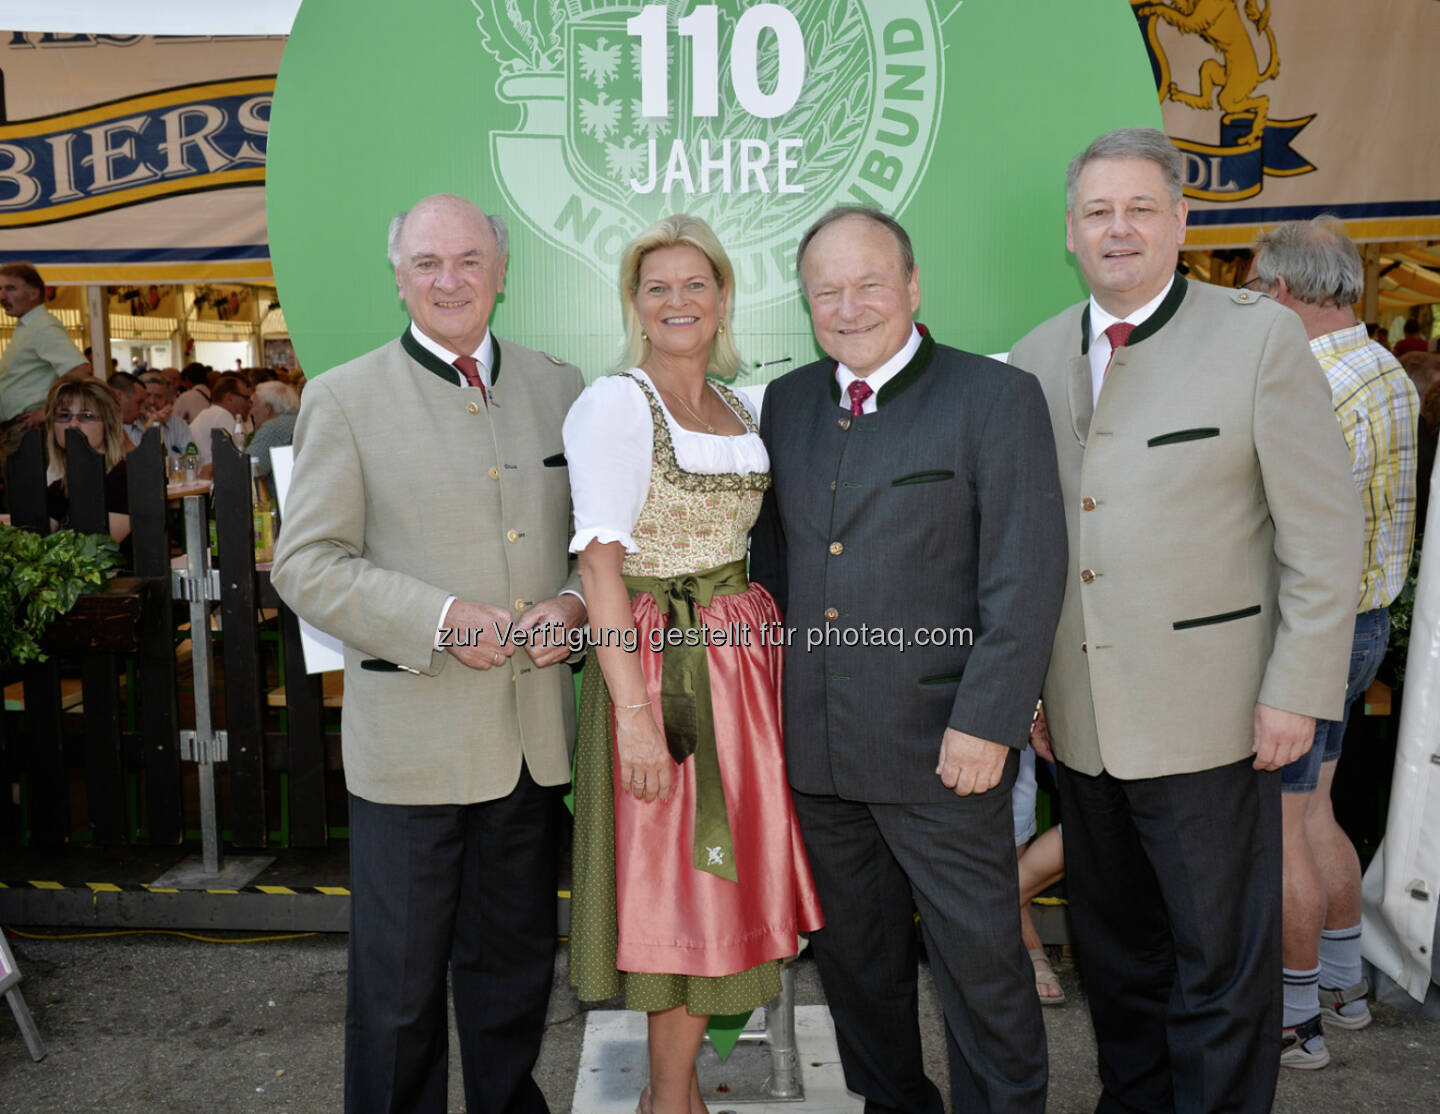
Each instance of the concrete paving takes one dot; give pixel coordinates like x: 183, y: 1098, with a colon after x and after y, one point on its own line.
x: 161, y: 1024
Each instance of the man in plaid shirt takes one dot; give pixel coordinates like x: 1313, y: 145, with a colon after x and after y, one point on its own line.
x: 1312, y: 268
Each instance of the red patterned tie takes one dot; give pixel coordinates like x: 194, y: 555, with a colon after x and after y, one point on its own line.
x: 859, y: 392
x: 470, y: 368
x: 1118, y: 335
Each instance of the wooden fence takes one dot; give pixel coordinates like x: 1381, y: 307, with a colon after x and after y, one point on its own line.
x: 126, y: 770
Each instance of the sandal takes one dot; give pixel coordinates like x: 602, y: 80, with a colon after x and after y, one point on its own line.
x: 1045, y: 976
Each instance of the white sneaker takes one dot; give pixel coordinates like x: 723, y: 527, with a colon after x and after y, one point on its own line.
x: 1303, y: 1046
x: 1332, y: 1003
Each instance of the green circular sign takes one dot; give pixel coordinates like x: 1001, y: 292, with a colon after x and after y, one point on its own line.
x: 581, y: 121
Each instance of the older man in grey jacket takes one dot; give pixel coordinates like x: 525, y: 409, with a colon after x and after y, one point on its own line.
x: 429, y: 512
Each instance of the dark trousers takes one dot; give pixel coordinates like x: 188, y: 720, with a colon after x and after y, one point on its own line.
x: 1174, y: 891
x: 874, y: 865
x: 471, y: 888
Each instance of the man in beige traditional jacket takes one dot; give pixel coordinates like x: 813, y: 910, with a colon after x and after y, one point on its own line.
x: 426, y: 528
x: 1214, y: 551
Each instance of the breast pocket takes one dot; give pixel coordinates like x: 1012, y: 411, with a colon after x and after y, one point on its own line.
x: 1180, y: 436
x: 934, y: 475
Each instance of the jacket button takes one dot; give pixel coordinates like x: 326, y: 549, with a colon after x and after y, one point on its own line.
x: 473, y: 407
x: 1084, y: 648
x: 836, y: 549
x: 832, y: 485
x: 494, y: 473
x: 831, y: 614
x: 512, y: 535
x: 519, y: 605
x: 1087, y: 576
x: 1087, y: 504
x: 843, y: 423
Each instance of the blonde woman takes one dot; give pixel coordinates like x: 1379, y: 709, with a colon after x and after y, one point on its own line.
x: 691, y: 880
x: 91, y: 407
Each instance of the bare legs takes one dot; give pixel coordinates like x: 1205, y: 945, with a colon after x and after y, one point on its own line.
x: 675, y: 1037
x: 1322, y: 872
x: 1304, y: 904
x: 1042, y: 864
x: 1335, y: 856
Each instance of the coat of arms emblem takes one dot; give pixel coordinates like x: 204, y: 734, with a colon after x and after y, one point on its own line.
x: 1252, y: 145
x: 756, y: 117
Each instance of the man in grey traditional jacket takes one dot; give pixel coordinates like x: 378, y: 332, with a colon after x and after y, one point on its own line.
x: 429, y: 511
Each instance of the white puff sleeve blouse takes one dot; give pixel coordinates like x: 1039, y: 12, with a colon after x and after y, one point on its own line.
x: 609, y: 441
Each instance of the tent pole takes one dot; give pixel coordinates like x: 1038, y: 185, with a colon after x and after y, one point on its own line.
x: 182, y: 331
x: 98, y: 305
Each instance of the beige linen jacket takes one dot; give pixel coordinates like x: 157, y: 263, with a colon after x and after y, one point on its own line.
x: 407, y: 490
x: 1215, y: 534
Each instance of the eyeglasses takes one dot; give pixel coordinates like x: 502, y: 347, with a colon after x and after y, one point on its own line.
x: 84, y: 417
x: 1253, y: 284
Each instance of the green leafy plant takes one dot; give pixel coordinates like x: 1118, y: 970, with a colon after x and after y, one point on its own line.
x: 1401, y: 610
x: 41, y: 578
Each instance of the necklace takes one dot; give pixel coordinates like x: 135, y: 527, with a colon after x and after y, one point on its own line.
x: 708, y: 427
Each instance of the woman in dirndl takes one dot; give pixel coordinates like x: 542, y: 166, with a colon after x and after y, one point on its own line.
x: 690, y: 877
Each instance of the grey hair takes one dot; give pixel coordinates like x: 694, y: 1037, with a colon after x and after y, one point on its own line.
x: 397, y: 224
x: 1130, y: 143
x: 840, y: 212
x: 155, y: 377
x: 280, y: 397
x: 1317, y: 259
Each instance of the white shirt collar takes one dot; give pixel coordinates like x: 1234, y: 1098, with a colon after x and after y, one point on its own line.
x: 1100, y: 349
x: 484, y: 355
x: 1100, y: 319
x: 880, y: 376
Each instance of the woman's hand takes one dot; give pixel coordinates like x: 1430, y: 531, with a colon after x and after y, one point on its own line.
x: 1040, y: 735
x: 646, y: 769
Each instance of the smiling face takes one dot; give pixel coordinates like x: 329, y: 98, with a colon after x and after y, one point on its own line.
x: 449, y: 272
x: 679, y: 301
x: 1125, y: 232
x: 862, y: 304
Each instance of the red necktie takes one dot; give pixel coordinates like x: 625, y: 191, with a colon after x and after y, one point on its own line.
x: 470, y: 368
x: 1118, y: 335
x: 859, y: 392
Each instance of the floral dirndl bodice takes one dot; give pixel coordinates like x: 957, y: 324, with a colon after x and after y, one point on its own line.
x: 692, y: 521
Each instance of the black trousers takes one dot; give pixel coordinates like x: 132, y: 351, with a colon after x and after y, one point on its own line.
x: 874, y: 866
x: 1174, y: 891
x: 471, y: 888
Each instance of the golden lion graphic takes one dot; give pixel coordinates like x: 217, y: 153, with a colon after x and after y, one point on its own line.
x: 1237, y: 72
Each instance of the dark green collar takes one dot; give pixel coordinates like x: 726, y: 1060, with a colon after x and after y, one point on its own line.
x: 903, y: 378
x: 448, y: 372
x: 1147, y: 328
